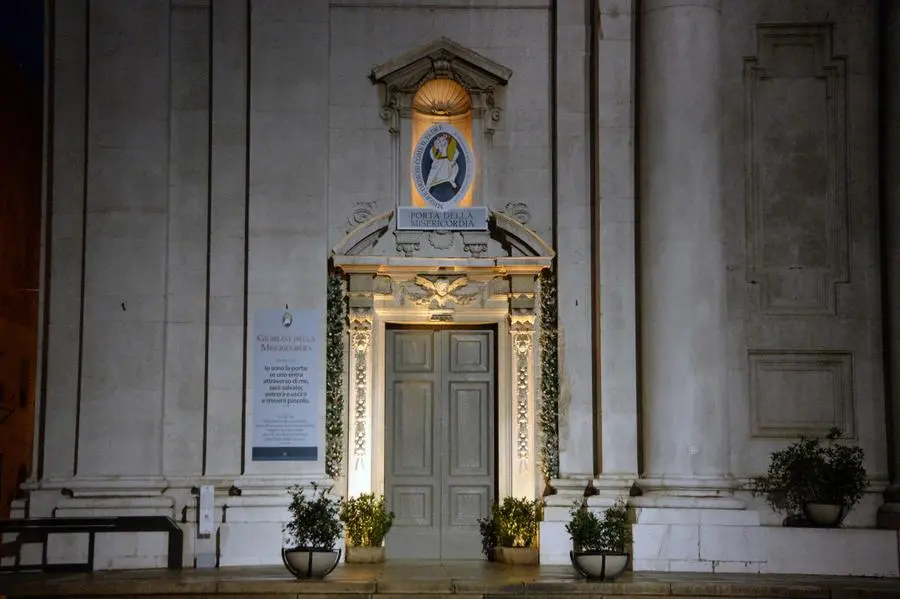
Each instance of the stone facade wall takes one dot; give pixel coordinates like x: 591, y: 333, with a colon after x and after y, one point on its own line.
x: 208, y: 154
x: 204, y: 199
x: 800, y: 192
x: 363, y: 35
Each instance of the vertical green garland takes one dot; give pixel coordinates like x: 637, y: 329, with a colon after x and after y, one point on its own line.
x: 549, y: 344
x: 334, y: 376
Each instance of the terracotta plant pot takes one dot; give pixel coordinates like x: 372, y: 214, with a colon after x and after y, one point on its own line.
x: 599, y: 565
x: 364, y: 555
x: 518, y: 556
x: 826, y: 515
x: 310, y: 563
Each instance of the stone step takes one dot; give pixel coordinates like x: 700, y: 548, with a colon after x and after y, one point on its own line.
x: 404, y: 581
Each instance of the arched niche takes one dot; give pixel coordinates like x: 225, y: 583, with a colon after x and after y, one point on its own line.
x: 401, y: 78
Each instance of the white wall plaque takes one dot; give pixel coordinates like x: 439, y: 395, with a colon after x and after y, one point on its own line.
x: 288, y: 385
x: 207, y: 510
x: 411, y: 218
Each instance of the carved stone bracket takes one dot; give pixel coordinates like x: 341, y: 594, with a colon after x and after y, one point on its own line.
x: 475, y: 243
x: 521, y: 327
x: 408, y: 242
x: 360, y: 342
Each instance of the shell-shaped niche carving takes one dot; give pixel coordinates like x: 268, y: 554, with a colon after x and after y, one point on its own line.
x: 442, y: 97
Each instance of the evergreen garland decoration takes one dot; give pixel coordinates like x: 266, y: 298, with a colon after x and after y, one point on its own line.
x: 549, y: 344
x: 334, y: 376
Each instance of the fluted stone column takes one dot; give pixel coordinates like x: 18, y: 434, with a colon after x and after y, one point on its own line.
x: 682, y: 261
x: 889, y: 514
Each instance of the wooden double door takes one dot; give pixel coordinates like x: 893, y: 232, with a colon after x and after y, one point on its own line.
x: 440, y: 439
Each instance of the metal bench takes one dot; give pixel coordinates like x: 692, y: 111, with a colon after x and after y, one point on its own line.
x: 37, y: 530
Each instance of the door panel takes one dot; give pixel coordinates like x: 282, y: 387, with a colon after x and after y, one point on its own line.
x: 412, y: 471
x: 470, y: 408
x: 413, y: 434
x: 414, y: 352
x: 413, y: 505
x: 439, y: 410
x: 470, y: 352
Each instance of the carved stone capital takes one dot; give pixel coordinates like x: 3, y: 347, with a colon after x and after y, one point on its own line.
x: 521, y: 320
x: 361, y: 319
x: 383, y: 285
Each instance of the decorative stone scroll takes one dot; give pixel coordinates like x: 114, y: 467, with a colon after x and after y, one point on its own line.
x: 521, y: 327
x: 360, y: 342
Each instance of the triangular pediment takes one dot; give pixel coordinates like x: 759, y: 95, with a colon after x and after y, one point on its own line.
x: 441, y: 58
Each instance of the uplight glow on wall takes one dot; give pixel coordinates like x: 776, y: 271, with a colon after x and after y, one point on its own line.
x: 442, y: 101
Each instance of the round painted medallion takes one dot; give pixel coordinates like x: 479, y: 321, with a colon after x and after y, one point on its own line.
x: 442, y: 166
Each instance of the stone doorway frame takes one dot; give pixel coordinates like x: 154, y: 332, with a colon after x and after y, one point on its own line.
x: 500, y: 291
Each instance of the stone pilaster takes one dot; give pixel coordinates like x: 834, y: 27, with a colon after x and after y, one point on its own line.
x: 521, y: 329
x: 359, y: 467
x: 618, y: 426
x: 360, y: 458
x: 572, y: 240
x: 683, y: 349
x: 889, y: 514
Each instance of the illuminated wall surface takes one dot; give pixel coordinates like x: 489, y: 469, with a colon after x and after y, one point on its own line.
x: 20, y: 189
x: 443, y: 101
x: 711, y: 213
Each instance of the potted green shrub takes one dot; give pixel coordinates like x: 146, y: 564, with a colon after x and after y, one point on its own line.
x: 515, y: 525
x: 311, y: 533
x: 599, y: 545
x: 367, y: 523
x: 488, y: 529
x: 820, y: 480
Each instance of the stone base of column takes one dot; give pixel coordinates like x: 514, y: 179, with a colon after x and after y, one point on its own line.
x: 609, y: 488
x: 696, y: 492
x: 889, y: 516
x: 698, y: 525
x: 725, y: 540
x: 555, y: 541
x: 889, y: 512
x: 677, y: 516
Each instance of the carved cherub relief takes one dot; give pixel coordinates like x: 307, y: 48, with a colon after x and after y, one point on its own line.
x: 440, y: 292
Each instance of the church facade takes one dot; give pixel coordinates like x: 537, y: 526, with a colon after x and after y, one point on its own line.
x: 458, y: 251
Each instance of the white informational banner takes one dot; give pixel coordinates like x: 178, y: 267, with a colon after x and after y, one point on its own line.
x: 288, y: 385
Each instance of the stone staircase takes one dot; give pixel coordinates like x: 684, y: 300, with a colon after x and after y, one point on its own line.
x: 472, y: 580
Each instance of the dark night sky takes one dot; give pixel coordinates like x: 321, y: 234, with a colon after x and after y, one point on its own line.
x: 22, y: 35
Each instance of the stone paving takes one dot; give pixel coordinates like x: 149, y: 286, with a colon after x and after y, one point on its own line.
x: 460, y: 580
